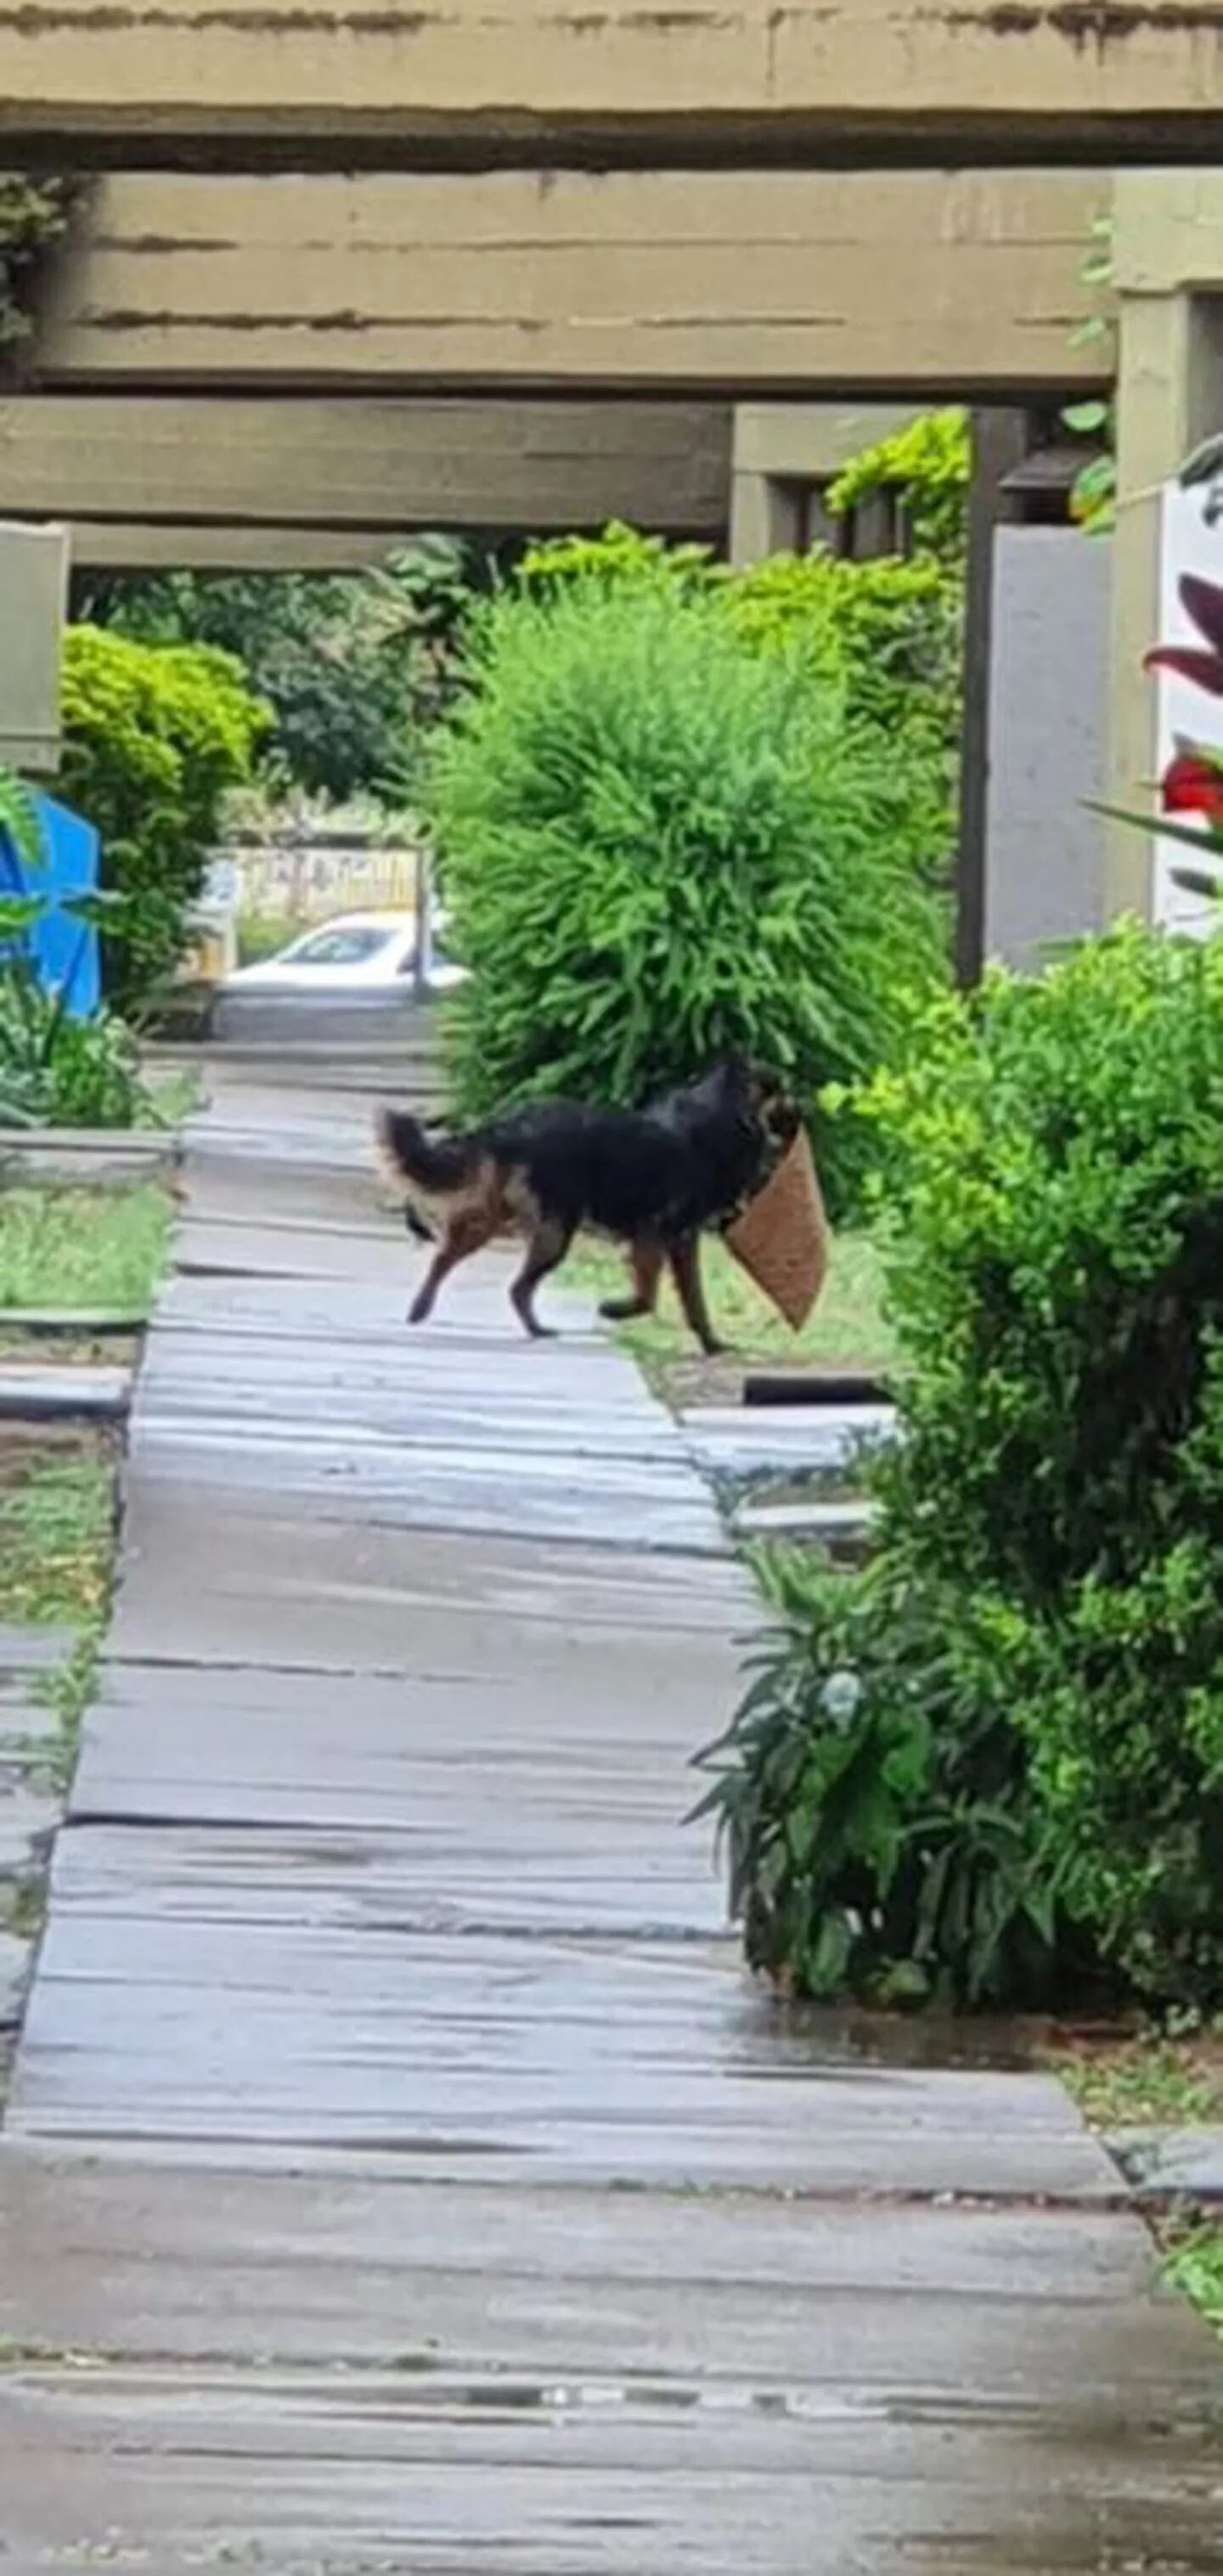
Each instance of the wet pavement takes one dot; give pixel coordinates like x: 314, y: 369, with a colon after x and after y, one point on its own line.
x: 399, y: 2171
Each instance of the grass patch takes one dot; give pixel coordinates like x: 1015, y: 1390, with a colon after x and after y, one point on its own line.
x: 172, y: 1097
x: 57, y: 1548
x: 57, y: 1540
x: 67, y: 1691
x: 848, y: 1329
x: 1193, y: 2264
x: 263, y: 934
x: 1147, y: 2083
x: 100, y: 1251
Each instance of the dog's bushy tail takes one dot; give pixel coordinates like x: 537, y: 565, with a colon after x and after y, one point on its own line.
x: 406, y: 1153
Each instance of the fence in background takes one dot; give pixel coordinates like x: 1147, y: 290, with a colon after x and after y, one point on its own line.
x: 305, y: 881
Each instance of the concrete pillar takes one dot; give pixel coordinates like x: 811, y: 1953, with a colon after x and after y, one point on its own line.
x: 999, y: 439
x: 764, y: 516
x: 33, y: 607
x: 1168, y: 256
x: 781, y: 447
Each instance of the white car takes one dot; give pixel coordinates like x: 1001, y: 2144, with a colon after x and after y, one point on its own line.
x: 358, y: 954
x: 339, y: 980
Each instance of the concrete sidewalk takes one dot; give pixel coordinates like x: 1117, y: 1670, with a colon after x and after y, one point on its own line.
x: 400, y: 2173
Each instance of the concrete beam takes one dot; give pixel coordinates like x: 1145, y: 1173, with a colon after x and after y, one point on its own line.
x: 135, y: 545
x: 311, y: 483
x: 475, y: 82
x: 811, y: 441
x: 769, y: 283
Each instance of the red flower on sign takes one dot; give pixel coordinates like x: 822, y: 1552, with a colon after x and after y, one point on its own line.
x: 1191, y: 784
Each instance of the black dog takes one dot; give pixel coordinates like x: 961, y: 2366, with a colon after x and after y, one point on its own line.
x: 652, y: 1179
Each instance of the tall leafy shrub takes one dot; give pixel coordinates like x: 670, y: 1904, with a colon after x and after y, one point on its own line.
x: 888, y: 632
x: 658, y: 843
x: 1032, y: 1671
x: 894, y: 633
x: 154, y: 736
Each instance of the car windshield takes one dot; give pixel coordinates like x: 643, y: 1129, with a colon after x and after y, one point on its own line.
x: 345, y: 944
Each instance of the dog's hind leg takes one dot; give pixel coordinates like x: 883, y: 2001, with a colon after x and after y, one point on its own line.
x: 546, y: 1250
x: 685, y: 1259
x: 466, y: 1233
x: 645, y: 1261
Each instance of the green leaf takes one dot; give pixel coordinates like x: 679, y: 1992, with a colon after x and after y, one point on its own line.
x: 1084, y: 417
x: 19, y: 913
x: 19, y: 820
x: 1157, y: 827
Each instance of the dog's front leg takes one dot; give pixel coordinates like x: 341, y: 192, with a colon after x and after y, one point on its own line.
x: 464, y: 1235
x: 685, y: 1258
x: 545, y: 1251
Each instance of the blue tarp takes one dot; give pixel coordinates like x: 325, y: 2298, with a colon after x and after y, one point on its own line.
x: 64, y: 950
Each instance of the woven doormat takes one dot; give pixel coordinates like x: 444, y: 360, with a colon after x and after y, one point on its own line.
x: 783, y: 1239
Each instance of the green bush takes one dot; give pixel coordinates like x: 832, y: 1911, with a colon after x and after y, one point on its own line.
x: 656, y: 843
x: 1051, y: 1522
x: 62, y: 1072
x: 54, y: 1070
x: 888, y: 633
x: 928, y: 465
x: 619, y: 554
x: 154, y: 737
x: 893, y: 634
x: 872, y: 1794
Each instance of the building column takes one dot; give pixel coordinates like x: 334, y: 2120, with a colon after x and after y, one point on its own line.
x: 33, y: 607
x: 999, y: 443
x: 764, y: 516
x: 783, y: 450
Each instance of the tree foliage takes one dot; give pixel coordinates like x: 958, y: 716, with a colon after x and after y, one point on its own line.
x: 34, y: 216
x: 154, y: 737
x: 352, y: 665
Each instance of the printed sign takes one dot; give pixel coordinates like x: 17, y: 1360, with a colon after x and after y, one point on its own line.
x: 1191, y: 542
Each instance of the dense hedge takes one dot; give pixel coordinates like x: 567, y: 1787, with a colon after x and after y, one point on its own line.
x: 992, y: 1765
x: 888, y: 632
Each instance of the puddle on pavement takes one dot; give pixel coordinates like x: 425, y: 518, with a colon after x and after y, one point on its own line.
x: 1098, y: 2422
x: 830, y: 2038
